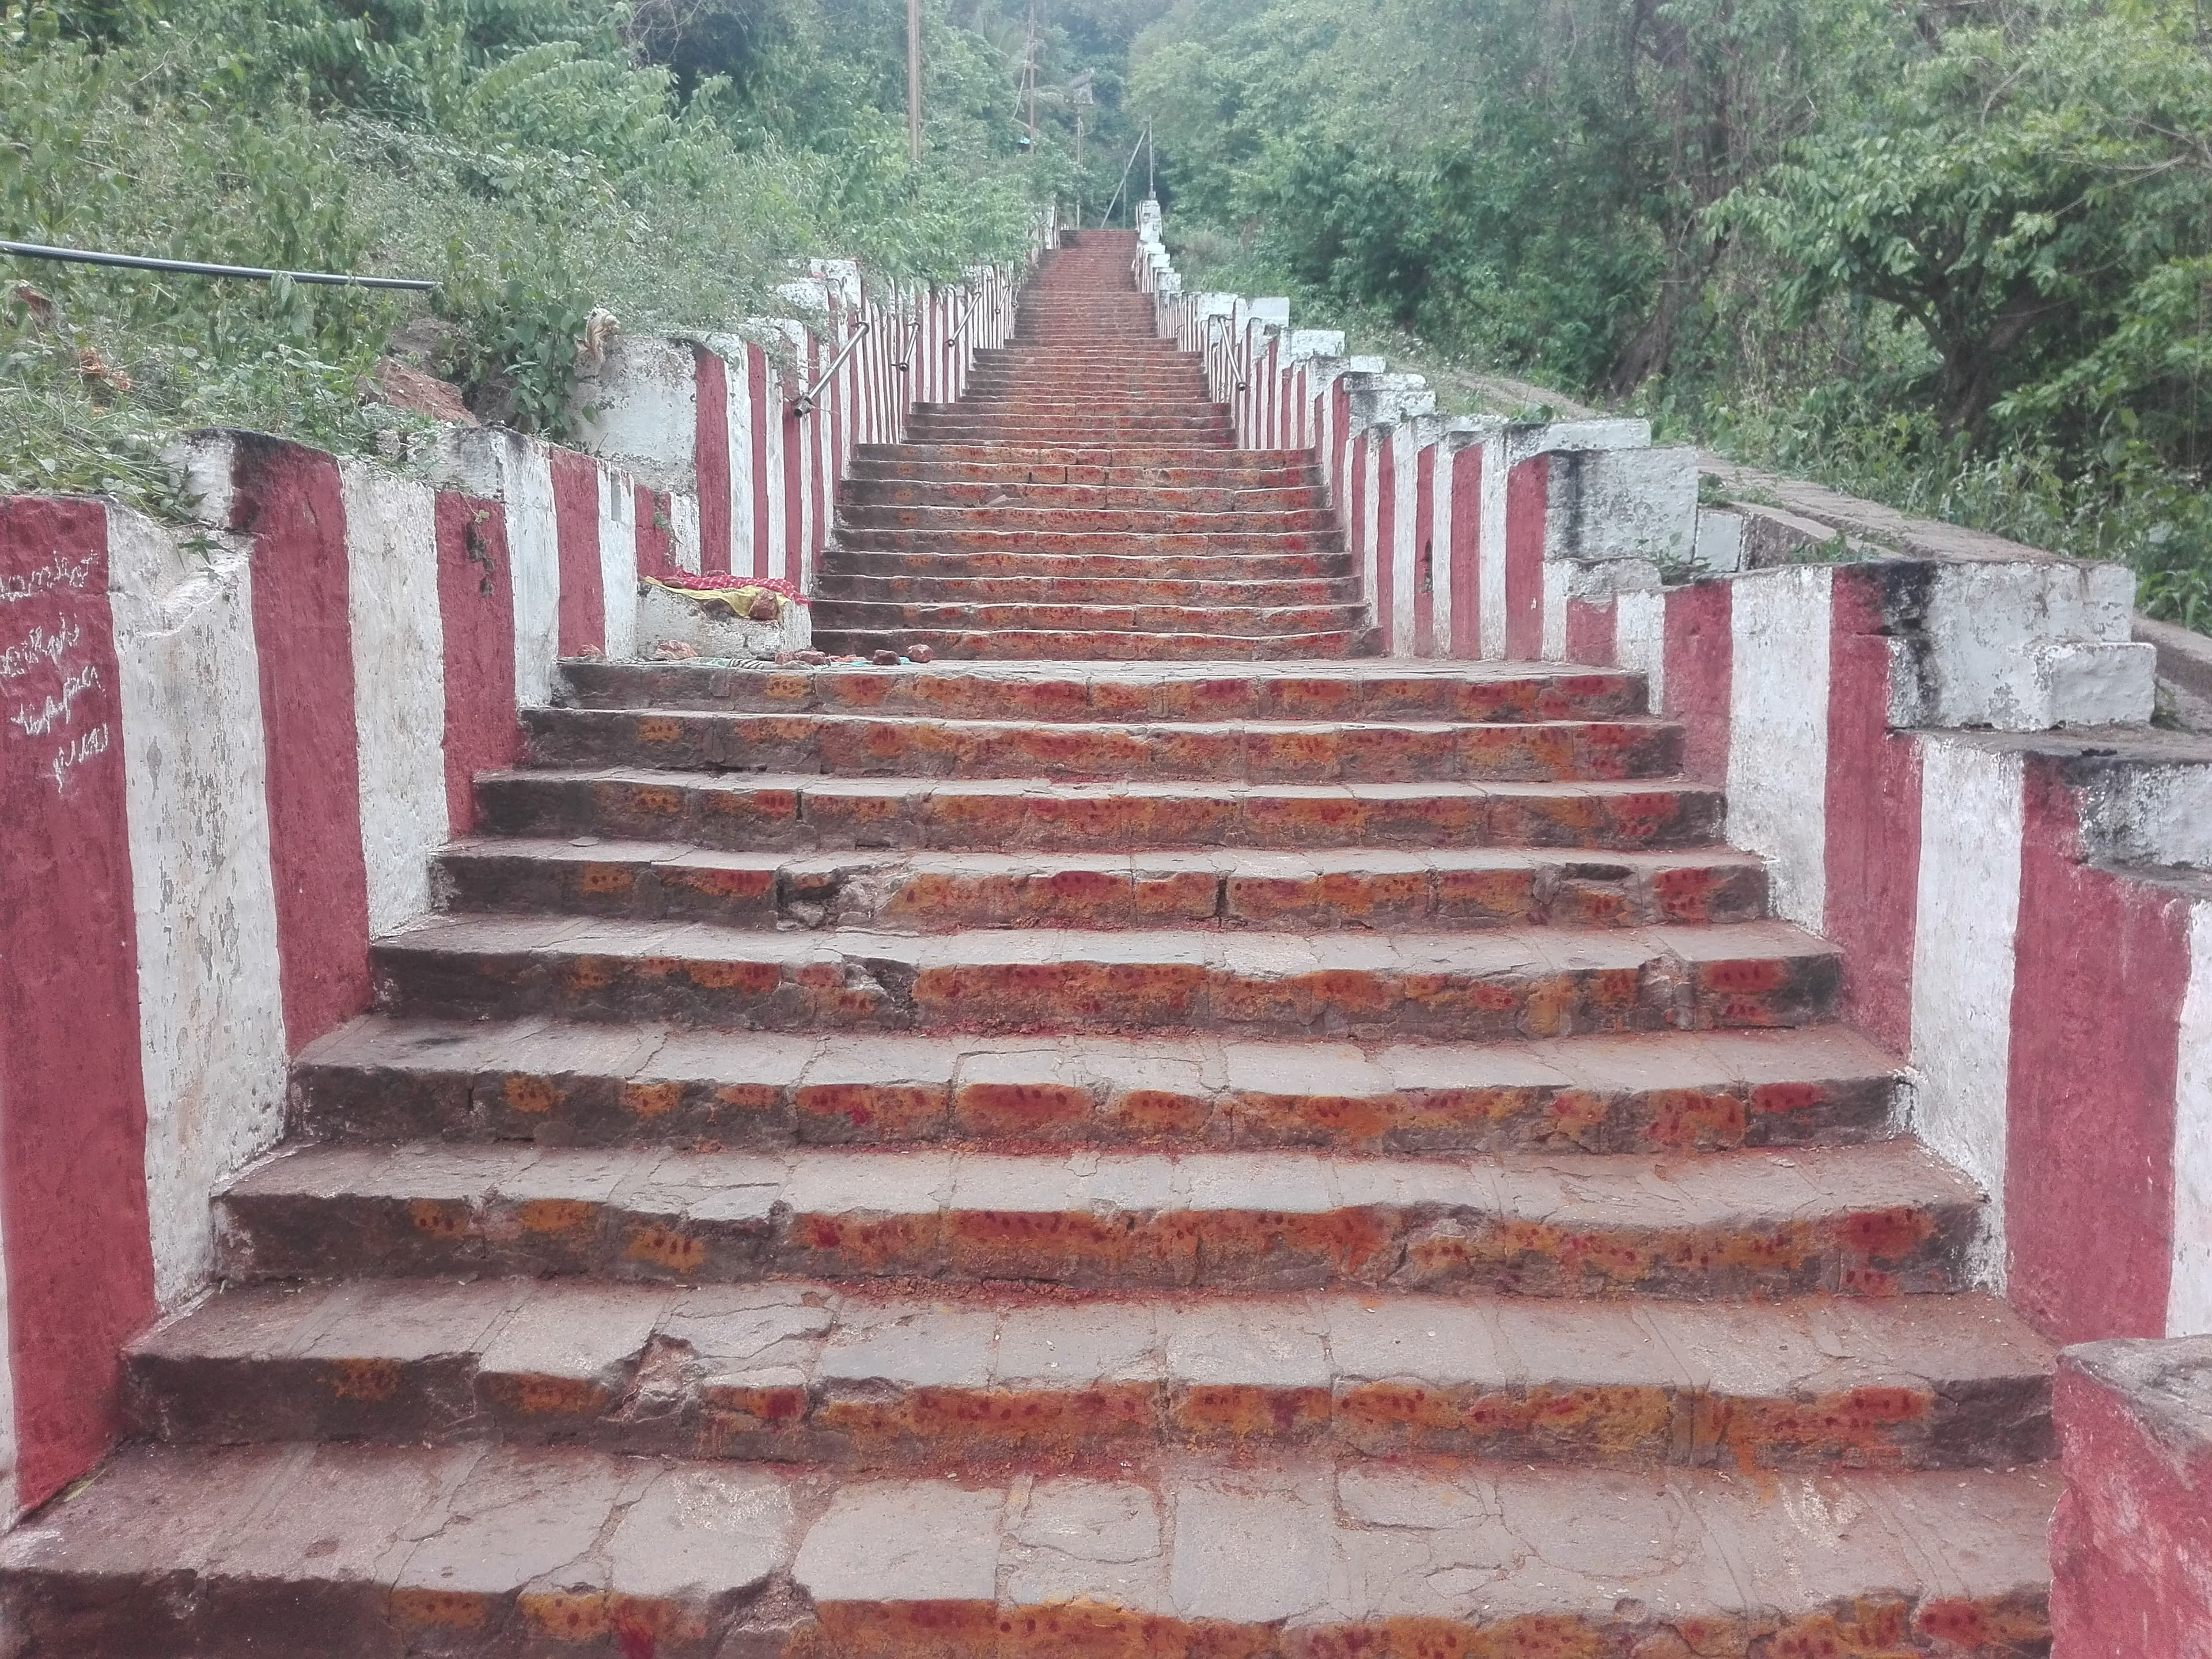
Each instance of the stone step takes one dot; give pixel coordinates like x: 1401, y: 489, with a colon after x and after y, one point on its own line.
x: 1055, y: 565
x: 756, y: 813
x: 936, y: 892
x: 378, y: 1079
x: 351, y: 1551
x: 1399, y: 689
x: 1466, y: 986
x: 1155, y: 476
x: 1213, y: 462
x: 1148, y: 521
x: 1054, y: 494
x: 1086, y: 590
x: 818, y: 1372
x: 1882, y: 1220
x: 1073, y: 644
x: 1259, y: 751
x: 1200, y: 622
x: 1351, y: 689
x: 1146, y: 544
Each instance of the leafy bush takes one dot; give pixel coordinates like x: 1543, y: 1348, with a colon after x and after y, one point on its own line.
x: 521, y: 153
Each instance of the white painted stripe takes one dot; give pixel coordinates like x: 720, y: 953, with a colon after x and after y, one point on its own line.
x: 533, y: 550
x: 1552, y: 614
x: 1639, y: 641
x: 2189, y: 1299
x: 619, y: 560
x: 1405, y: 536
x: 195, y: 757
x: 738, y: 377
x: 778, y: 426
x: 683, y: 529
x: 1490, y: 547
x: 400, y: 686
x: 1972, y: 818
x: 1778, y: 769
x: 1440, y: 550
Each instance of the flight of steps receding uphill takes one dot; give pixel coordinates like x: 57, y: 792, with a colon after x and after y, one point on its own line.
x: 1047, y: 1160
x: 1084, y: 499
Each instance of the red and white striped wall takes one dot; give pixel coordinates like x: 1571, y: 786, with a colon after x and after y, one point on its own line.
x: 724, y: 427
x: 228, y: 757
x: 1891, y: 735
x: 1471, y: 536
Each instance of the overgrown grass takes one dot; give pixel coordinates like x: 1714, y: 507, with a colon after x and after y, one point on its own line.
x: 533, y: 182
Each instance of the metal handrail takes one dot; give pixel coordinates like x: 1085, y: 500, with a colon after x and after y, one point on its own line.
x: 1107, y: 217
x: 967, y: 306
x: 803, y: 404
x: 194, y: 268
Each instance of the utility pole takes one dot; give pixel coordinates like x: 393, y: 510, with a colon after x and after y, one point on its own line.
x: 1029, y: 74
x: 1078, y: 167
x: 914, y: 79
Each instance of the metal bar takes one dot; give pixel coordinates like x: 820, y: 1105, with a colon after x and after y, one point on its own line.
x: 1107, y: 217
x: 966, y: 306
x: 804, y: 403
x: 193, y: 268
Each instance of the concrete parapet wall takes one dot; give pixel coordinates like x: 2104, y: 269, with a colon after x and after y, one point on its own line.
x: 228, y: 750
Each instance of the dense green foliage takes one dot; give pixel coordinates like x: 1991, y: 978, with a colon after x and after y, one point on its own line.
x: 1956, y: 256
x: 537, y: 158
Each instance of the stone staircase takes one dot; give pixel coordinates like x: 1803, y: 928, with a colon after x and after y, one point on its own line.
x: 1055, y: 1159
x: 1085, y: 499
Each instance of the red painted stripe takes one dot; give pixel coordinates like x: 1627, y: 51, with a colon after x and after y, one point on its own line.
x: 1872, y: 807
x: 1527, y: 502
x: 2132, y: 1531
x: 2100, y: 965
x: 1425, y: 551
x: 756, y: 371
x: 1699, y: 654
x: 288, y: 499
x: 1339, y: 432
x: 1386, y: 537
x: 656, y: 535
x: 475, y: 608
x: 79, y: 1261
x: 576, y: 535
x: 1466, y: 554
x: 794, y: 489
x: 710, y: 460
x: 1591, y: 633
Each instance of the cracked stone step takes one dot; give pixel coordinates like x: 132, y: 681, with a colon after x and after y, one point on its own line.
x: 936, y: 892
x: 800, y: 1371
x: 759, y: 811
x: 1174, y: 457
x: 1267, y: 752
x: 1231, y: 539
x: 1052, y: 494
x: 1191, y: 567
x: 1879, y: 1219
x: 1184, y: 624
x: 1084, y: 520
x: 374, y: 1552
x: 381, y: 1079
x: 1467, y: 986
x: 1090, y: 644
x: 1089, y: 591
x: 1375, y: 689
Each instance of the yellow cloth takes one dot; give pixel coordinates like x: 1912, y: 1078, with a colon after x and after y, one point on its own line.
x: 739, y: 600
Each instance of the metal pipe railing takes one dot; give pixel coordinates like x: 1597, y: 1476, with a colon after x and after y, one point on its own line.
x: 803, y: 404
x: 1143, y: 138
x: 194, y: 268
